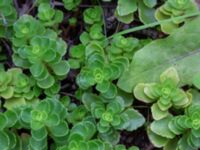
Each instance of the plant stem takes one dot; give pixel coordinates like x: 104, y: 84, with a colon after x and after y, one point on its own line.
x: 153, y: 24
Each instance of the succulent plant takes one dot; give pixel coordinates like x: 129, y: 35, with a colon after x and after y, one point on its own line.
x: 93, y: 15
x: 45, y: 118
x: 121, y: 46
x: 71, y: 4
x: 174, y: 8
x: 41, y: 53
x: 94, y: 35
x: 49, y: 16
x: 77, y: 54
x: 112, y: 115
x: 164, y: 95
x: 8, y: 15
x: 25, y: 28
x: 99, y: 73
x: 181, y: 130
x: 17, y: 88
x: 125, y: 10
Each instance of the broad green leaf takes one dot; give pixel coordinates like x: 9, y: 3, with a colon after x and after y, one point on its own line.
x: 179, y: 50
x: 196, y: 81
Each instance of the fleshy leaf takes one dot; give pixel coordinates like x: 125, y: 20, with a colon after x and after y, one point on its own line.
x: 160, y: 127
x: 126, y: 7
x: 156, y: 140
x: 157, y: 113
x: 140, y: 95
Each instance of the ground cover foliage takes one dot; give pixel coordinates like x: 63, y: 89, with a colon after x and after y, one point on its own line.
x: 99, y: 75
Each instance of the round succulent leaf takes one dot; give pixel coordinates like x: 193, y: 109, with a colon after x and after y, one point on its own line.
x: 43, y: 106
x: 156, y: 140
x: 52, y: 120
x: 14, y: 103
x: 47, y: 82
x: 45, y: 12
x: 181, y: 99
x: 150, y: 3
x: 75, y: 137
x: 111, y: 92
x: 59, y: 130
x: 50, y: 55
x: 116, y: 120
x: 74, y: 64
x: 7, y: 93
x: 170, y: 73
x: 125, y: 8
x: 37, y: 144
x: 85, y: 80
x: 89, y: 98
x: 193, y: 141
x: 103, y: 86
x: 12, y: 118
x: 117, y: 105
x: 25, y: 114
x: 13, y: 139
x: 111, y: 137
x: 61, y: 68
x: 102, y: 129
x: 37, y: 69
x: 85, y: 38
x: 132, y: 120
x: 86, y: 129
x: 157, y: 113
x: 77, y: 51
x: 164, y: 104
x: 152, y: 91
x: 160, y: 127
x: 183, y: 143
x: 92, y: 48
x: 39, y: 134
x: 174, y: 128
x: 196, y: 132
x: 4, y: 141
x: 96, y: 144
x: 140, y: 95
x: 3, y: 121
x: 126, y: 18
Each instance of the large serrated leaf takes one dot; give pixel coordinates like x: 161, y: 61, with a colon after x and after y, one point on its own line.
x: 181, y: 49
